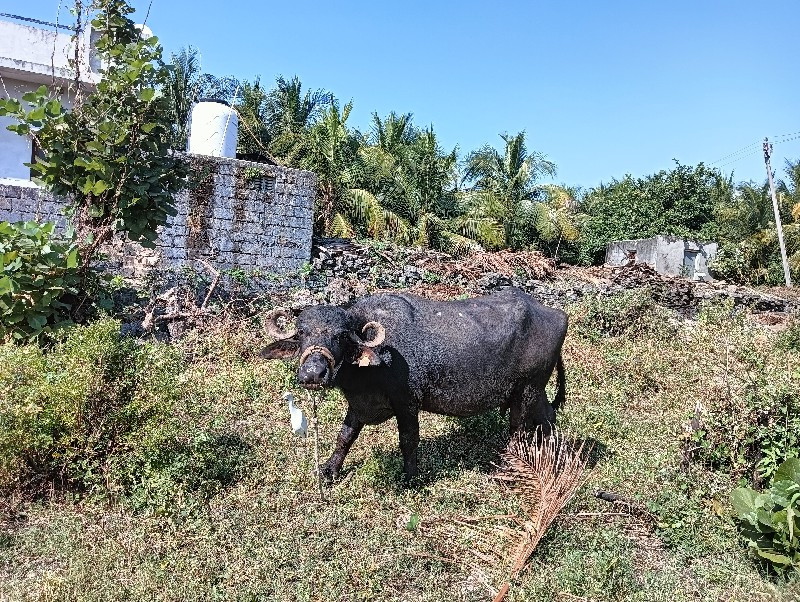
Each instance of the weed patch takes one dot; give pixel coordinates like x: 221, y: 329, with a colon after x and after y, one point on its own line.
x: 632, y: 313
x: 220, y: 497
x: 103, y: 416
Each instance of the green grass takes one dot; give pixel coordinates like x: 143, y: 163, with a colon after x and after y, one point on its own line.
x: 266, y: 535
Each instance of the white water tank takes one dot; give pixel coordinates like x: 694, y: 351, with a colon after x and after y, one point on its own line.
x: 144, y: 31
x: 213, y: 129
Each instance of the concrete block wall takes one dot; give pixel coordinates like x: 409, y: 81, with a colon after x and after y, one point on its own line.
x: 234, y: 215
x: 27, y: 202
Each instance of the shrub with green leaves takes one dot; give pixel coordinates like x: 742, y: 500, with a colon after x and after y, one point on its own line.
x: 790, y: 338
x: 752, y: 423
x: 770, y: 521
x: 105, y: 415
x: 632, y: 313
x: 38, y: 272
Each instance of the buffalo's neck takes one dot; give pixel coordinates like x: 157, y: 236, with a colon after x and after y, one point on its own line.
x: 366, y: 391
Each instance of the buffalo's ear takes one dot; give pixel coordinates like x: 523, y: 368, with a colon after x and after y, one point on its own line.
x: 281, y: 350
x: 367, y: 357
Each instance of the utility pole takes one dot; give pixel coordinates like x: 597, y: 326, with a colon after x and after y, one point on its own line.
x: 778, y: 226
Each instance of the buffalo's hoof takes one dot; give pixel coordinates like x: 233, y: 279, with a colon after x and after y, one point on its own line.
x: 328, y: 473
x: 411, y: 478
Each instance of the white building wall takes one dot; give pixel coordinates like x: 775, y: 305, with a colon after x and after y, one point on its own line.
x: 15, y: 150
x: 38, y: 55
x: 31, y: 57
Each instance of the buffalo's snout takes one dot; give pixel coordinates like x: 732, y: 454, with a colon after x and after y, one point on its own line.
x: 314, y: 372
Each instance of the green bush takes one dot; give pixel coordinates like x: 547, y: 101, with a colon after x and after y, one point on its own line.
x: 751, y: 422
x: 103, y: 415
x: 755, y: 425
x: 789, y: 339
x: 770, y: 521
x: 37, y: 274
x: 632, y: 313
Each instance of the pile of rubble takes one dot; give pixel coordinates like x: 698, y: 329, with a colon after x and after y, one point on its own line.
x: 681, y: 294
x: 342, y: 271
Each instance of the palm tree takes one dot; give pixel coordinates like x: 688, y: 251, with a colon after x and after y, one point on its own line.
x: 181, y: 90
x: 254, y: 135
x: 393, y: 134
x: 506, y: 183
x: 556, y: 219
x: 791, y: 198
x: 748, y: 233
x: 413, y: 180
x: 331, y: 152
x: 383, y: 159
x: 429, y: 183
x: 288, y: 113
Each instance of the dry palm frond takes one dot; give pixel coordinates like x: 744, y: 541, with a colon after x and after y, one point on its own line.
x: 545, y: 476
x: 474, y: 540
x: 545, y: 472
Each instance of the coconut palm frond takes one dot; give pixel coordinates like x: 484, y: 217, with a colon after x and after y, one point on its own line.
x: 378, y: 221
x: 365, y: 211
x: 397, y: 228
x: 545, y: 476
x: 485, y: 230
x: 341, y: 227
x: 456, y: 244
x: 511, y: 178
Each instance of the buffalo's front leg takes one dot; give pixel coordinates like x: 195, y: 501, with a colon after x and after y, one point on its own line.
x: 350, y: 429
x: 408, y: 427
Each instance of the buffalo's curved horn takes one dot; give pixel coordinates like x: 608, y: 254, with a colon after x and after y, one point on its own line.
x: 380, y: 334
x: 274, y: 329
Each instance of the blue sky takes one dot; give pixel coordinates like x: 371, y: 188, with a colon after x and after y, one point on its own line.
x: 601, y: 88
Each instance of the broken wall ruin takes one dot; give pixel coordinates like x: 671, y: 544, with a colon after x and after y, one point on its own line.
x: 667, y: 255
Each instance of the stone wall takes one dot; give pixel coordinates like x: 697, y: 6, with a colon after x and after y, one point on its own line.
x: 25, y: 202
x: 234, y: 214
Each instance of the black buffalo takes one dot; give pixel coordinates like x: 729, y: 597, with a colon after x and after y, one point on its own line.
x: 397, y: 354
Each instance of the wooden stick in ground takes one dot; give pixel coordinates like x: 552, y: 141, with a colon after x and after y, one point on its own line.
x: 315, y: 424
x: 210, y: 292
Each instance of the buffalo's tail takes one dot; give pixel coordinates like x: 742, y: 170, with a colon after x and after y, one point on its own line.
x: 561, y: 379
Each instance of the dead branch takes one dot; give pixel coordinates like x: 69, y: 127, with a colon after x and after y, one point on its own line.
x: 210, y: 292
x: 176, y: 310
x: 632, y: 507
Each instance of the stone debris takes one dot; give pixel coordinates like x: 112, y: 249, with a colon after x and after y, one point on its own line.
x: 342, y: 271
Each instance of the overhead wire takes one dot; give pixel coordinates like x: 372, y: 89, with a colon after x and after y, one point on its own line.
x: 37, y: 21
x: 733, y: 154
x: 784, y: 136
x: 737, y: 159
x: 752, y: 149
x: 787, y: 139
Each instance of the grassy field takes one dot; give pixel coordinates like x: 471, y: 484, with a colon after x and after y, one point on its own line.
x: 264, y: 534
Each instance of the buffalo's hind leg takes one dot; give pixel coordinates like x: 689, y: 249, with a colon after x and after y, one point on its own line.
x: 350, y: 430
x: 531, y: 409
